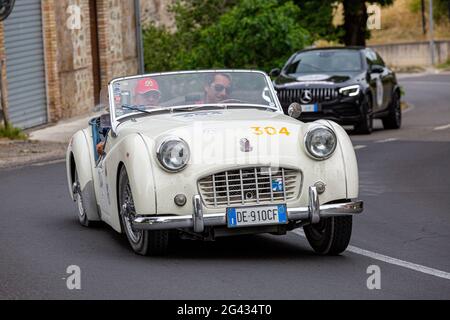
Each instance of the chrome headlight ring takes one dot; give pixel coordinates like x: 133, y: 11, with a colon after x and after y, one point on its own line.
x: 320, y: 142
x: 173, y: 154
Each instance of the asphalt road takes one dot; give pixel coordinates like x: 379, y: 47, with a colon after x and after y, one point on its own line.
x: 404, y: 230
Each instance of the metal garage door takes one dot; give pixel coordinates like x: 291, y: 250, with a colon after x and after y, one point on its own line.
x: 25, y: 65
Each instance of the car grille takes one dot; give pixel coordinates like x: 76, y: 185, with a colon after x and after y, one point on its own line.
x: 287, y: 96
x: 256, y: 185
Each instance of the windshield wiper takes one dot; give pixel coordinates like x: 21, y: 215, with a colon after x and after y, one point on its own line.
x: 136, y: 108
x: 194, y: 107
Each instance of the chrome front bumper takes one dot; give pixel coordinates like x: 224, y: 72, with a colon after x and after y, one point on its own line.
x: 198, y: 221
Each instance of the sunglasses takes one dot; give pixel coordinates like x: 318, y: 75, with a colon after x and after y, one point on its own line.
x: 220, y: 88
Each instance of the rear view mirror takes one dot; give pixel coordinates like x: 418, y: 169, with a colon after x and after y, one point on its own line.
x: 275, y: 72
x: 376, y: 69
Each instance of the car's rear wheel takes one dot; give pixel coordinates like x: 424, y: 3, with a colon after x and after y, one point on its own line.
x: 81, y: 204
x: 394, y: 118
x: 143, y: 242
x: 330, y: 236
x: 365, y: 124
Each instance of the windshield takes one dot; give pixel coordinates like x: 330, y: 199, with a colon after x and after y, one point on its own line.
x: 190, y: 90
x: 325, y: 61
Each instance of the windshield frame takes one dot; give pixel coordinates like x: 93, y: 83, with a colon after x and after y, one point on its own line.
x: 293, y: 58
x: 115, y: 121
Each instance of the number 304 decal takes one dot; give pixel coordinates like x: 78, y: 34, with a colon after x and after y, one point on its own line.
x: 270, y: 131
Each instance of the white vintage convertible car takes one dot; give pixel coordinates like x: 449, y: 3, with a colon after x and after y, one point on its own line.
x: 205, y: 154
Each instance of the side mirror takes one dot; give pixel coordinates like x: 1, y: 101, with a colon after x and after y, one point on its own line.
x: 295, y: 110
x: 376, y: 69
x: 275, y: 72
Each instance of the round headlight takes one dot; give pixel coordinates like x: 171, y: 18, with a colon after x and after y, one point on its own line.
x: 321, y: 142
x: 173, y: 154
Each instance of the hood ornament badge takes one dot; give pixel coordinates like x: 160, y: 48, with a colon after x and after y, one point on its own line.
x: 245, y: 145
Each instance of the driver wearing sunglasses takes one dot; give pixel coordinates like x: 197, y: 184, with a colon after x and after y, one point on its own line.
x: 147, y: 93
x: 217, y: 88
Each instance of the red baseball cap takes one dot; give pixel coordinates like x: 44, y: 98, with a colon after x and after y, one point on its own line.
x: 145, y: 85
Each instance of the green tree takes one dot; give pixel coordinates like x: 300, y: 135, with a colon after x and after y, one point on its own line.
x: 354, y: 30
x: 227, y: 34
x: 253, y: 34
x: 166, y: 49
x: 317, y: 18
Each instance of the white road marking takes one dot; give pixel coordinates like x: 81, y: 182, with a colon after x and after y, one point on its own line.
x: 40, y: 164
x: 447, y: 126
x: 386, y: 140
x: 359, y: 146
x: 390, y: 260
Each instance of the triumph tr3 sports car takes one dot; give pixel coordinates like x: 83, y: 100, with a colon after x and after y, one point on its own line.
x: 206, y: 154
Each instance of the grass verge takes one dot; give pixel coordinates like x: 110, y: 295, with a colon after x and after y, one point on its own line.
x: 12, y: 133
x: 444, y: 66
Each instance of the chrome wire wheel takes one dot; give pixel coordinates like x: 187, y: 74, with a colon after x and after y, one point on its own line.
x: 79, y: 199
x: 128, y: 214
x: 143, y: 242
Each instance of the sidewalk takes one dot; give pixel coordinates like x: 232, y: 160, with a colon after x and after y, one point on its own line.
x: 62, y: 131
x: 44, y: 145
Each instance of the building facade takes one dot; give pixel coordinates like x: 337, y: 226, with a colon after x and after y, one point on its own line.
x: 59, y: 54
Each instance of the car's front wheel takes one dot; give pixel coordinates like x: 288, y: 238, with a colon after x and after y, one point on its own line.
x: 81, y: 202
x: 365, y: 124
x: 143, y: 242
x: 330, y: 236
x: 394, y: 118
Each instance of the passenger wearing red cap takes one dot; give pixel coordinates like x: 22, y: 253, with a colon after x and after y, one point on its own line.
x: 147, y: 92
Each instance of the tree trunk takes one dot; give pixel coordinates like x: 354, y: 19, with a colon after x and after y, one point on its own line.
x: 355, y: 22
x: 422, y: 8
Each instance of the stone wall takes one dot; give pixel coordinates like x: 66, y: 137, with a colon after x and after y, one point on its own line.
x: 74, y: 60
x: 69, y: 60
x: 413, y: 54
x: 117, y: 39
x: 157, y: 12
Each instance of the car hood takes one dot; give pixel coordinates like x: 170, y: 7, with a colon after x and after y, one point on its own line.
x: 225, y: 135
x: 300, y: 80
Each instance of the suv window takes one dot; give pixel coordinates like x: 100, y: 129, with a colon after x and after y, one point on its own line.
x: 373, y: 58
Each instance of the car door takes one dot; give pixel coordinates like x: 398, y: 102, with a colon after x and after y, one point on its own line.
x: 377, y: 80
x: 387, y: 79
x: 104, y: 192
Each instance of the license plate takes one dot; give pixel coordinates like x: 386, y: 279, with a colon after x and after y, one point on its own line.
x: 257, y: 215
x: 310, y: 107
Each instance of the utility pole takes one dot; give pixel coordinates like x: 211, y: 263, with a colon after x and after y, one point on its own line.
x: 431, y: 34
x: 139, y: 44
x: 424, y: 23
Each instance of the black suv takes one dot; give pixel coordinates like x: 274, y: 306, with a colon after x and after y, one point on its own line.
x: 349, y: 85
